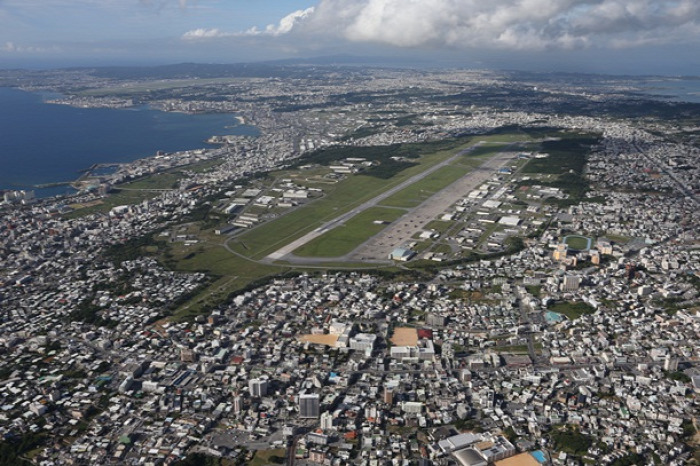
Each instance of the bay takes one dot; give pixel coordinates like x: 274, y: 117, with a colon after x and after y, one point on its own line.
x: 47, y: 143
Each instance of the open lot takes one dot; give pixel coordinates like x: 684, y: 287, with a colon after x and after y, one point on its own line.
x: 321, y: 339
x: 265, y: 457
x: 405, y: 336
x: 572, y: 310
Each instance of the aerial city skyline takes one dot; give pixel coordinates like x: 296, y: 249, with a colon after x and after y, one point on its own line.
x: 597, y: 36
x: 433, y: 267
x: 349, y: 232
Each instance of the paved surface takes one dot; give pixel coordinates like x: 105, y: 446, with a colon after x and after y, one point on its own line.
x: 379, y: 246
x: 289, y: 248
x: 402, y: 231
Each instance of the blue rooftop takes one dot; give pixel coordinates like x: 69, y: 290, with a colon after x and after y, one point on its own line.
x: 539, y: 456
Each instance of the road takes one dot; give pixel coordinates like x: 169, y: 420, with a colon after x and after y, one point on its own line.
x: 668, y: 172
x: 530, y: 335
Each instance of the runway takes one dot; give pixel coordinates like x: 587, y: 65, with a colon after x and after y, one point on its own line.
x: 378, y: 247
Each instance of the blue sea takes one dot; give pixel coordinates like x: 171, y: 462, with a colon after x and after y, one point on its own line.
x: 47, y: 143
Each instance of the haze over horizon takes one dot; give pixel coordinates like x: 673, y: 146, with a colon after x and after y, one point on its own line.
x: 593, y: 36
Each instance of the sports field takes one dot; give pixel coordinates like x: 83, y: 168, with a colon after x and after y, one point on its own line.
x: 405, y: 336
x: 579, y: 243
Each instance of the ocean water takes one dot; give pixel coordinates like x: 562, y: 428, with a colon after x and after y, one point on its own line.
x: 47, y: 143
x: 674, y: 89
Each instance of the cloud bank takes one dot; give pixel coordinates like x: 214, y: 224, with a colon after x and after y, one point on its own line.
x: 500, y: 24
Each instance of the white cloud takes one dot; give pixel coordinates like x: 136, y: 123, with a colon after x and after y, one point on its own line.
x: 198, y: 34
x: 11, y: 47
x: 504, y: 24
x: 285, y: 26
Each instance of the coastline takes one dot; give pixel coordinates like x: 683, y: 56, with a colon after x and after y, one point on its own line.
x: 75, y: 140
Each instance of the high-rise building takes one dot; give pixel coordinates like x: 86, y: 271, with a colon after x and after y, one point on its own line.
x: 257, y: 387
x: 363, y: 341
x: 571, y: 283
x: 309, y: 406
x: 670, y: 363
x: 435, y: 320
x: 327, y: 421
x: 389, y: 395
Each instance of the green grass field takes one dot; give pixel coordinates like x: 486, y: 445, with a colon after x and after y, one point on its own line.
x: 265, y: 457
x: 572, y: 310
x: 230, y: 272
x: 417, y: 193
x: 439, y: 225
x: 618, y: 239
x: 579, y: 243
x: 233, y: 273
x: 345, y: 238
x: 268, y: 237
x: 512, y: 349
x: 441, y: 249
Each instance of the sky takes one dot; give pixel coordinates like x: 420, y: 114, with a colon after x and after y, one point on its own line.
x: 598, y: 36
